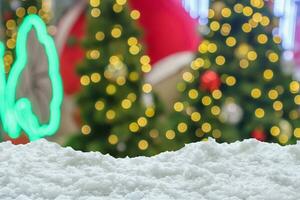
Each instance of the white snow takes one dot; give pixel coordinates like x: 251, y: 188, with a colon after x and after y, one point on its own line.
x: 205, y: 170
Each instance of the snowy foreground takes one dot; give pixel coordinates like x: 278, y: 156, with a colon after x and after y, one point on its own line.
x: 204, y: 170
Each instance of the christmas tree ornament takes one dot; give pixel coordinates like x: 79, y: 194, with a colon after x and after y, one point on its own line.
x: 209, y: 81
x: 259, y: 134
x: 116, y: 70
x: 231, y: 113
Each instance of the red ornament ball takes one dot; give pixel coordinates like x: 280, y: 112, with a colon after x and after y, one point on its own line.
x: 259, y: 134
x: 209, y: 81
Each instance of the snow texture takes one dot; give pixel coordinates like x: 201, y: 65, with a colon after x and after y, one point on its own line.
x: 206, y: 170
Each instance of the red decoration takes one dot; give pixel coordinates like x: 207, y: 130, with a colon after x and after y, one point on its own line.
x: 259, y: 134
x: 210, y: 81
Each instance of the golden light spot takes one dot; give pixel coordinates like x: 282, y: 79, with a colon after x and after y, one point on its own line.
x: 126, y: 104
x: 143, y: 145
x: 273, y: 57
x: 85, y: 80
x: 135, y: 14
x: 238, y: 8
x: 197, y: 63
x: 121, y: 80
x: 262, y: 39
x: 259, y: 113
x: 150, y: 112
x: 188, y: 77
x: 99, y: 105
x: 94, y: 3
x: 132, y: 41
x: 225, y: 29
x: 277, y: 39
x: 86, y: 129
x: 206, y: 127
x: 195, y: 116
x: 113, y: 139
x: 297, y: 99
x: 154, y: 133
x: 216, y: 133
x: 134, y: 50
x: 100, y: 36
x: 146, y: 68
x: 131, y: 96
x: 193, y: 94
x: 247, y: 11
x: 220, y: 60
x: 95, y: 12
x: 111, y: 89
x: 217, y: 94
x: 244, y: 63
x: 170, y: 134
x: 110, y: 114
x: 199, y: 133
x: 31, y: 10
x: 297, y: 132
x: 116, y: 32
x: 268, y: 74
x: 273, y: 94
x: 121, y: 2
x: 94, y: 54
x: 117, y: 8
x: 255, y: 93
x: 215, y: 110
x: 20, y: 12
x: 134, y: 127
x: 178, y: 106
x: 211, y: 13
x: 275, y: 131
x: 252, y: 55
x: 147, y: 88
x: 133, y: 76
x: 214, y: 26
x: 265, y: 21
x: 283, y: 139
x: 182, y: 127
x: 246, y: 27
x: 142, y: 121
x: 144, y: 60
x: 11, y: 24
x: 257, y: 17
x: 212, y: 47
x: 230, y: 81
x: 277, y: 105
x: 231, y: 41
x: 257, y: 3
x: 95, y: 77
x: 206, y: 100
x: 226, y: 12
x: 294, y: 87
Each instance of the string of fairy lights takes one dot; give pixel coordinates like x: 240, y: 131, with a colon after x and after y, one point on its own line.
x: 246, y: 54
x: 117, y: 74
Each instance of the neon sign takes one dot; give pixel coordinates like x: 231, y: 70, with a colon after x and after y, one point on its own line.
x: 16, y: 114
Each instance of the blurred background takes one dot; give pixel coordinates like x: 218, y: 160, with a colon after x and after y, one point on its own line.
x: 141, y: 77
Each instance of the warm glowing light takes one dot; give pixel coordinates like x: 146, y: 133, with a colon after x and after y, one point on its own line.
x: 86, y: 129
x: 170, y: 134
x: 113, y: 139
x: 143, y: 144
x: 259, y: 113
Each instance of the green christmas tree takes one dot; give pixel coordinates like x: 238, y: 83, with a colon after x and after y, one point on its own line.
x: 235, y: 88
x: 117, y: 108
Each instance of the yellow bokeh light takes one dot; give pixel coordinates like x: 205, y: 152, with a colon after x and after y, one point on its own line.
x: 297, y: 99
x: 117, y: 8
x: 265, y: 21
x: 211, y: 13
x: 182, y: 127
x: 195, y: 116
x: 255, y: 93
x: 283, y: 139
x: 193, y: 94
x: 154, y: 133
x: 126, y: 104
x: 111, y: 89
x: 262, y: 39
x: 86, y: 129
x: 197, y: 63
x: 294, y: 87
x: 31, y: 10
x: 99, y: 36
x: 297, y: 132
x: 135, y: 14
x: 206, y: 127
x: 275, y: 131
x: 132, y: 41
x: 134, y: 127
x: 277, y: 39
x: 252, y: 55
x: 217, y: 94
x: 216, y: 133
x: 170, y: 134
x: 225, y: 29
x: 110, y: 114
x: 146, y: 68
x: 247, y: 11
x: 230, y: 41
x: 214, y: 26
x: 116, y: 32
x: 238, y: 8
x: 188, y: 77
x: 132, y: 97
x: 95, y: 12
x: 277, y: 105
x: 99, y: 105
x: 134, y: 50
x: 121, y: 2
x: 220, y: 60
x: 226, y: 12
x: 273, y: 94
x: 246, y: 27
x: 273, y: 57
x: 230, y: 80
x: 257, y: 17
x: 244, y: 63
x: 215, y: 110
x: 142, y: 121
x: 150, y: 112
x: 144, y: 60
x: 268, y: 74
x: 113, y: 139
x: 20, y: 12
x: 212, y: 47
x: 206, y: 100
x: 143, y: 145
x: 178, y: 106
x: 133, y: 76
x: 94, y: 3
x: 259, y: 113
x: 85, y: 80
x: 147, y: 88
x: 95, y: 77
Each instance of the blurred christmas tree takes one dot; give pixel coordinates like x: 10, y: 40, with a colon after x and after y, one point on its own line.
x: 117, y: 108
x: 235, y: 88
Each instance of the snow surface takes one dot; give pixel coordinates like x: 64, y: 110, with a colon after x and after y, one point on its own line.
x: 205, y: 170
